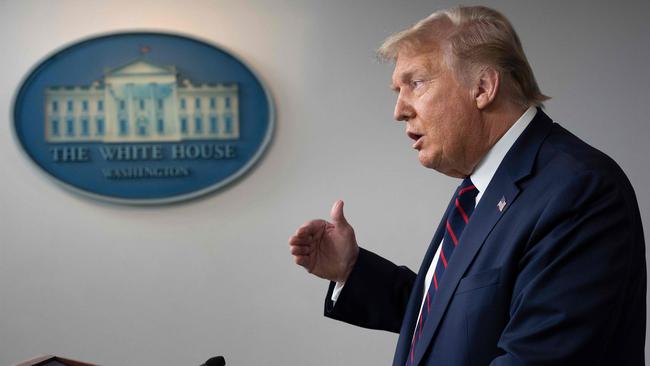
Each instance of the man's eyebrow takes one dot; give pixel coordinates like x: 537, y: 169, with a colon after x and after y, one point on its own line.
x: 403, y: 78
x: 407, y: 76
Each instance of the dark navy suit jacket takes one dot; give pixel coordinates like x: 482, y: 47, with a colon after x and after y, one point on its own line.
x: 558, y: 277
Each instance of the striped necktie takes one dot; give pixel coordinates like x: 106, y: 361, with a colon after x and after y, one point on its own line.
x: 456, y: 221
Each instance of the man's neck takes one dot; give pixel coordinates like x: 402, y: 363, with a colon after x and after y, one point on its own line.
x: 487, y: 167
x: 500, y: 121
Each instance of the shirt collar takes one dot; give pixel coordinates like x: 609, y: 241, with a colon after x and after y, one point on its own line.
x: 486, y: 168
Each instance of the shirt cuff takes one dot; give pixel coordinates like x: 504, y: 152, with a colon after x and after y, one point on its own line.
x: 337, y: 291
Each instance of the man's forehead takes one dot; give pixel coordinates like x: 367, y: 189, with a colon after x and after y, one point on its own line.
x: 407, y: 63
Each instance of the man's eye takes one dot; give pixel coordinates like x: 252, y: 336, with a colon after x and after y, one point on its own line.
x: 416, y: 83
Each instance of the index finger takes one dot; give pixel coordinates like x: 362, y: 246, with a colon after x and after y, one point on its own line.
x: 310, y: 228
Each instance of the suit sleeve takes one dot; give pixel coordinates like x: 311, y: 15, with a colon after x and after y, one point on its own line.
x: 582, y: 271
x: 375, y: 295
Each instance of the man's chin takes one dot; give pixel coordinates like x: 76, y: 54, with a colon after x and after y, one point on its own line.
x: 436, y: 165
x: 428, y: 161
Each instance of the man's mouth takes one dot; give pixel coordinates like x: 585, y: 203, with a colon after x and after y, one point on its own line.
x: 415, y: 137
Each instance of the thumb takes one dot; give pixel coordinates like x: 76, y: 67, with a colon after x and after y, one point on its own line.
x: 337, y: 214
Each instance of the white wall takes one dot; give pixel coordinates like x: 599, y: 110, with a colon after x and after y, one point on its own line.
x: 174, y: 285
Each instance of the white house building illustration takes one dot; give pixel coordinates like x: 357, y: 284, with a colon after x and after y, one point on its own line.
x: 141, y: 102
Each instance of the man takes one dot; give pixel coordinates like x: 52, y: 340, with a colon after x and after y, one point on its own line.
x: 539, y: 258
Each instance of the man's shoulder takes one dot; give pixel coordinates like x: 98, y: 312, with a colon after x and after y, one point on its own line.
x: 564, y: 154
x: 570, y: 173
x: 572, y: 181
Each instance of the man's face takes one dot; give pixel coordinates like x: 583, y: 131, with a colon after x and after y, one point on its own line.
x: 440, y: 113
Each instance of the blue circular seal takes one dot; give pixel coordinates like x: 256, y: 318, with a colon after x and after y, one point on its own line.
x: 143, y: 118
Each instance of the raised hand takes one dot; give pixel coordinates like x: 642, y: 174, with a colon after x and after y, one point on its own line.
x: 327, y: 250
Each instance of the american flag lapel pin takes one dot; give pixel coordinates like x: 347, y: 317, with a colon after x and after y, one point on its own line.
x: 502, y: 204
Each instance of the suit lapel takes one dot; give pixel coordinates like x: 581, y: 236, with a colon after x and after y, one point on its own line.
x: 485, y: 216
x: 413, y: 307
x: 500, y: 194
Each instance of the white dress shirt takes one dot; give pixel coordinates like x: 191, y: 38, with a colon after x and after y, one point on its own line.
x: 481, y: 178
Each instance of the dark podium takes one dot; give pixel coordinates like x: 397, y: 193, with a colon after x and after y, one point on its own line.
x: 53, y: 361
x: 50, y: 360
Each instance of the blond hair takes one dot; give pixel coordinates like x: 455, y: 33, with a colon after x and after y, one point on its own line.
x: 471, y: 38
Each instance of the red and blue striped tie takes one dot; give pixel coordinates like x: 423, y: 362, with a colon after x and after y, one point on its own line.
x: 456, y: 221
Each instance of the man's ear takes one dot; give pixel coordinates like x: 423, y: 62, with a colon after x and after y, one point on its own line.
x: 486, y: 87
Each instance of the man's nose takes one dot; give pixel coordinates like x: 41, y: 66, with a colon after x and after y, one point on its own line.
x: 403, y: 110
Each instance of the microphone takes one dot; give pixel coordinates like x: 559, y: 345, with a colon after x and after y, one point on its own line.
x: 215, y: 361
